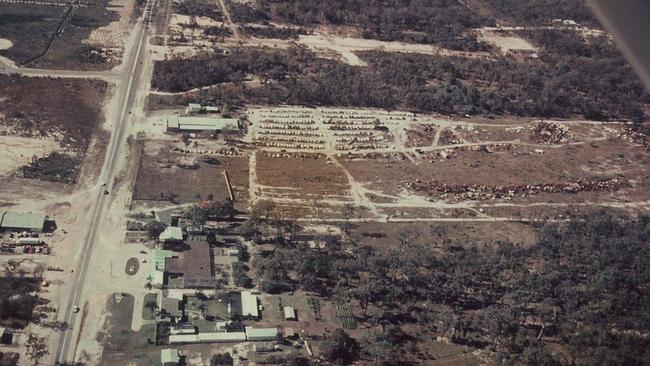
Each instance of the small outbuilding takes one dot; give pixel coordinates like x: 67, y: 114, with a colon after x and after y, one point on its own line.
x: 289, y: 313
x: 249, y: 305
x: 170, y: 357
x: 171, y: 234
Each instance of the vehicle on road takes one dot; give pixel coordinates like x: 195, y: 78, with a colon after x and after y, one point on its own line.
x: 75, y: 309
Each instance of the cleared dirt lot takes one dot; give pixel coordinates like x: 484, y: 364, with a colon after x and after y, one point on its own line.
x: 163, y: 171
x: 308, y: 177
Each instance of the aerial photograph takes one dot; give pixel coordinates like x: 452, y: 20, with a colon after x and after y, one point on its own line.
x: 324, y: 182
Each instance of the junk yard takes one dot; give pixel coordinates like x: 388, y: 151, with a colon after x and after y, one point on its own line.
x: 193, y: 182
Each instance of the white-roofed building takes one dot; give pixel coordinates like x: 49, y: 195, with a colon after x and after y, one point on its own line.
x: 261, y: 334
x: 169, y: 357
x: 208, y: 338
x: 249, y: 305
x: 289, y: 313
x: 176, y: 123
x: 171, y: 234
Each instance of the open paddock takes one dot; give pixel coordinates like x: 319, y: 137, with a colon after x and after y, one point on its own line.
x: 167, y: 175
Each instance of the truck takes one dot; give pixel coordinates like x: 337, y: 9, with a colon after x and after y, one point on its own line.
x: 30, y: 241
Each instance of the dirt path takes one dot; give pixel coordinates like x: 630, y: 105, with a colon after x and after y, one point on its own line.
x: 8, y: 66
x: 253, y: 185
x: 234, y: 27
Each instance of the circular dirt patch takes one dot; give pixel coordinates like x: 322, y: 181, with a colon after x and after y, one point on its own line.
x: 5, y: 44
x: 132, y: 266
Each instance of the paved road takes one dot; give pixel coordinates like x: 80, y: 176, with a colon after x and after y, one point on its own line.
x: 128, y: 86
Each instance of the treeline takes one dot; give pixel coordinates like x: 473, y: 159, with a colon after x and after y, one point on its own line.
x: 17, y: 300
x: 447, y: 23
x: 598, y: 88
x: 578, y: 296
x: 244, y: 13
x: 543, y: 11
x: 198, y: 8
x: 54, y: 167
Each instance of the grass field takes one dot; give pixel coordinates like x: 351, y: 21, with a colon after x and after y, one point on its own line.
x: 163, y: 171
x: 120, y: 343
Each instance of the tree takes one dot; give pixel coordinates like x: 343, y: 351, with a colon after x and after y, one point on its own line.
x: 36, y: 347
x: 186, y: 138
x: 221, y: 209
x: 242, y: 253
x: 197, y: 215
x: 152, y: 305
x: 154, y: 229
x: 228, y: 132
x: 221, y: 359
x: 340, y: 348
x: 261, y: 209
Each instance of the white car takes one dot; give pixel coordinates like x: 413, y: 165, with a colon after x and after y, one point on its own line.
x: 75, y: 309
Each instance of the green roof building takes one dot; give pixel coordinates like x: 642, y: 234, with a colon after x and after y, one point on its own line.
x: 23, y: 221
x: 157, y: 267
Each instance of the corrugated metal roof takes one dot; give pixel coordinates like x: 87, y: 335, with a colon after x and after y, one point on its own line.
x: 260, y: 334
x: 249, y: 304
x: 289, y: 312
x: 169, y: 355
x: 171, y: 233
x: 23, y: 220
x: 200, y: 123
x: 208, y: 337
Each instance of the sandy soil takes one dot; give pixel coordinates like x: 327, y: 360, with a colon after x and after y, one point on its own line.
x: 113, y: 35
x: 507, y: 42
x: 346, y: 46
x: 18, y: 151
x: 5, y: 44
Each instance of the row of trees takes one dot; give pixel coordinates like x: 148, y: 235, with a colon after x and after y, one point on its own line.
x: 198, y: 8
x: 578, y: 296
x: 557, y: 85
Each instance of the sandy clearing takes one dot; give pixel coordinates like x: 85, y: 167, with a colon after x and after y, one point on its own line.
x: 5, y: 44
x: 180, y: 20
x: 507, y: 42
x: 346, y: 47
x: 18, y: 151
x: 113, y: 34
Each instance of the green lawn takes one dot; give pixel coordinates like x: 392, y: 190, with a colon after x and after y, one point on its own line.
x: 147, y: 313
